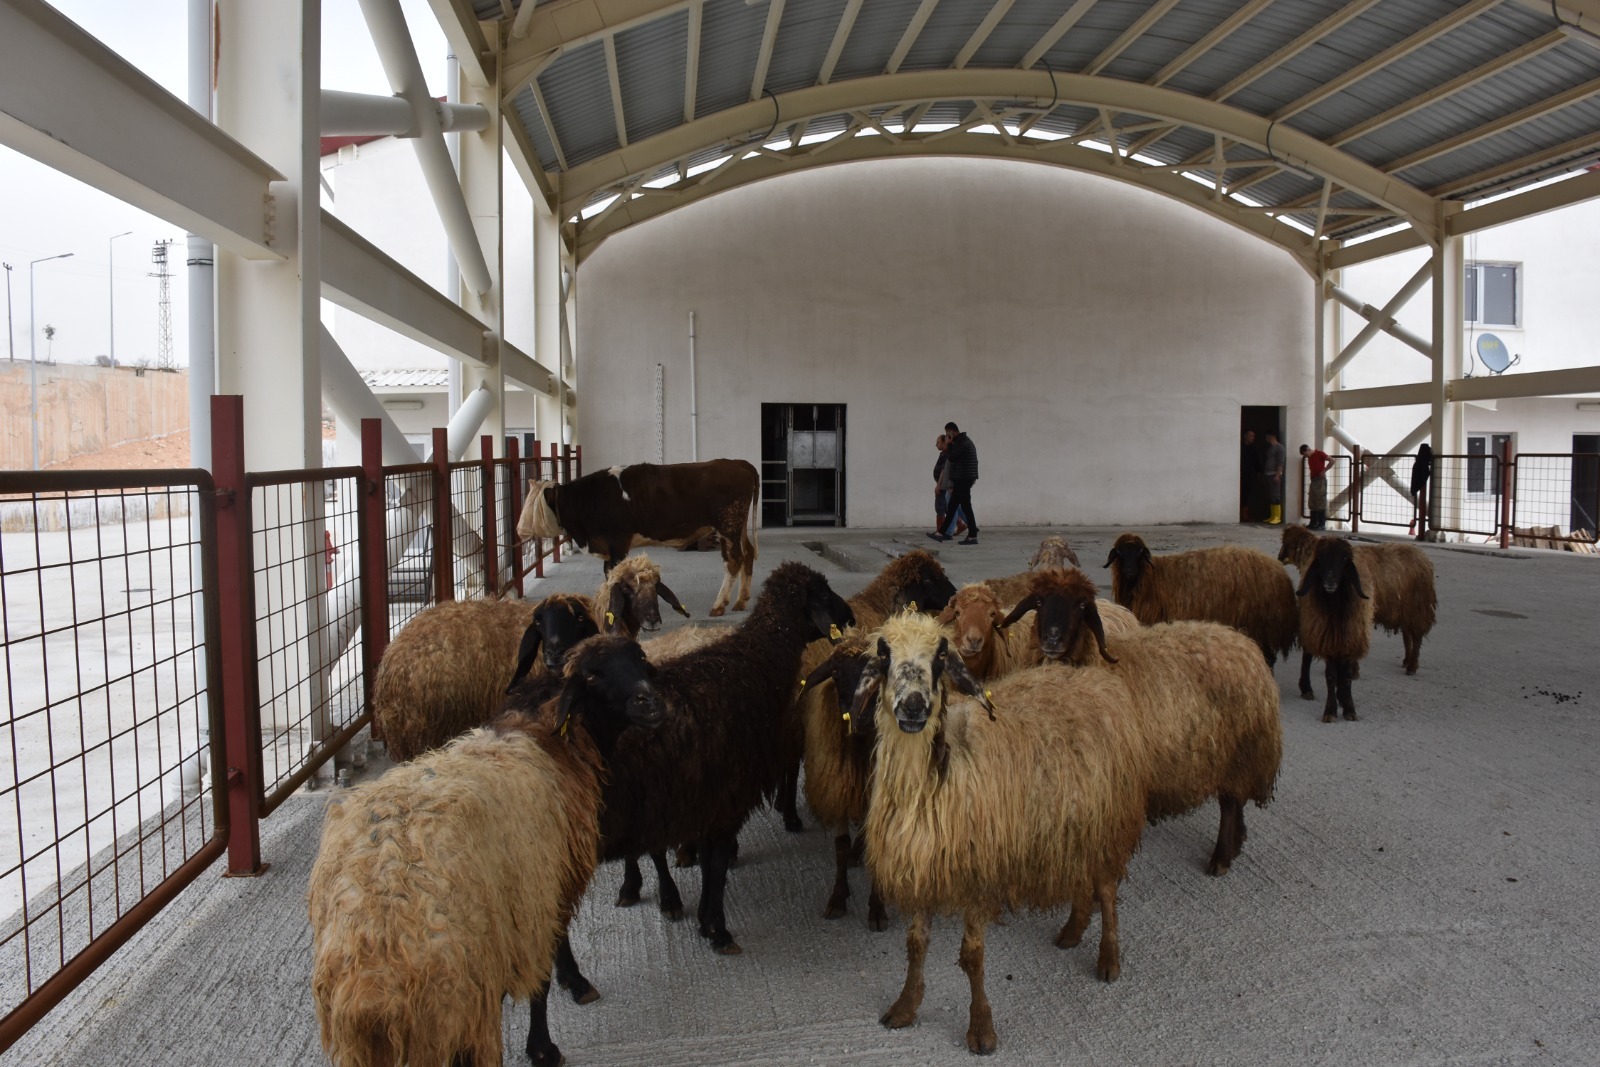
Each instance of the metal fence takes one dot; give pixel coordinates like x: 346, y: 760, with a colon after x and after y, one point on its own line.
x: 1338, y: 478
x: 183, y: 650
x: 1556, y: 499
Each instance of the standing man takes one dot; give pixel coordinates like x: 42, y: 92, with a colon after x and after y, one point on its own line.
x: 1248, y: 464
x: 961, y: 465
x: 1317, y: 491
x: 1272, y: 472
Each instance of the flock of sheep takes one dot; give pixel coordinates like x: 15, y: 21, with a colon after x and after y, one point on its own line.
x: 994, y: 748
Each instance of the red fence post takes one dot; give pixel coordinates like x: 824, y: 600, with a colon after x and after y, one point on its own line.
x: 514, y: 509
x: 1355, y: 490
x: 241, y: 709
x: 555, y: 554
x: 491, y: 543
x: 444, y: 571
x: 1508, y: 494
x: 372, y: 518
x: 534, y: 457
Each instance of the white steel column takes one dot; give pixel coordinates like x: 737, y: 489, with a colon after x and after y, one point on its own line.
x: 547, y: 315
x: 1448, y: 437
x: 480, y: 159
x: 201, y: 261
x: 268, y: 313
x: 569, y: 306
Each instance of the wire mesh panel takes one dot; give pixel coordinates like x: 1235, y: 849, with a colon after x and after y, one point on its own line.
x: 408, y: 494
x: 505, y: 520
x: 1385, y: 490
x: 1338, y: 478
x: 307, y: 613
x: 107, y: 806
x: 1556, y: 499
x: 1466, y: 491
x: 466, y: 520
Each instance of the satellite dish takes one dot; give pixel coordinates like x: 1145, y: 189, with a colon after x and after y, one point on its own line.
x: 1493, y: 354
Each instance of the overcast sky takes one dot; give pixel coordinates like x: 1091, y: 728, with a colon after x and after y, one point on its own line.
x: 43, y: 212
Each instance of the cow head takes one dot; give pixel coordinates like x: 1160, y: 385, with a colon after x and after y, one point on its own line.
x: 539, y: 516
x: 559, y: 622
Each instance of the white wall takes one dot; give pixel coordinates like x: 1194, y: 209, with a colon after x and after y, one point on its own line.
x: 1097, y: 340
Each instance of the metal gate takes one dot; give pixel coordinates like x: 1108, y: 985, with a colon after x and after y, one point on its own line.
x: 803, y: 464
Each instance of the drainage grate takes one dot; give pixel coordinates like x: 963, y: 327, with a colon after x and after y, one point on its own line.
x: 1497, y: 613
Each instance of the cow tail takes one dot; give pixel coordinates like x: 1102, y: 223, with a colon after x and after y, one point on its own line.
x: 754, y: 518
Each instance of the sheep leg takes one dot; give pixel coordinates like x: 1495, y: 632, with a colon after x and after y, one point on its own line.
x: 787, y: 801
x: 1346, y: 701
x: 714, y: 857
x: 1331, y: 677
x: 903, y: 1012
x: 632, y: 882
x: 1230, y: 835
x: 570, y: 978
x: 1071, y: 934
x: 1109, y: 965
x: 1306, y: 692
x: 541, y: 1050
x: 687, y: 855
x: 980, y: 1019
x: 841, y: 879
x: 1413, y: 645
x: 671, y: 902
x: 877, y: 915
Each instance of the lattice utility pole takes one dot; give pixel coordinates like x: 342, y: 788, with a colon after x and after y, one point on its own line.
x: 158, y: 256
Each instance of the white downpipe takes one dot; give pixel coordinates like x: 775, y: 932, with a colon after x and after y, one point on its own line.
x: 452, y: 273
x: 360, y: 114
x: 694, y: 408
x: 467, y: 420
x: 388, y: 25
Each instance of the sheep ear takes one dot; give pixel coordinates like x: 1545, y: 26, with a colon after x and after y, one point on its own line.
x: 867, y: 688
x: 1305, y: 579
x: 1091, y: 615
x: 948, y: 615
x: 1355, y: 576
x: 964, y: 681
x: 817, y: 677
x: 567, y: 704
x: 526, y: 654
x: 1025, y: 605
x: 1144, y: 553
x: 1111, y: 558
x: 1073, y: 556
x: 670, y: 598
x: 614, y: 610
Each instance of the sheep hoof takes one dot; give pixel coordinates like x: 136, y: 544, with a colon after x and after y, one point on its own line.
x: 1308, y: 694
x: 982, y: 1042
x: 1217, y: 868
x: 898, y: 1017
x: 1411, y: 668
x: 878, y: 923
x: 1330, y: 717
x: 835, y: 910
x: 728, y: 948
x: 739, y: 606
x: 626, y: 899
x: 717, y: 611
x: 792, y: 823
x: 549, y: 1056
x: 1351, y: 716
x: 588, y: 996
x: 674, y: 914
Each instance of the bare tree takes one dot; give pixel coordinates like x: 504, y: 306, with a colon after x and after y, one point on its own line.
x: 49, y: 338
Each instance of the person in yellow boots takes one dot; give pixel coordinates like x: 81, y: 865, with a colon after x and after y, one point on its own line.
x: 1272, y: 471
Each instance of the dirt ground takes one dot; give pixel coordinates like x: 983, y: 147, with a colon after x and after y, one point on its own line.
x: 157, y: 452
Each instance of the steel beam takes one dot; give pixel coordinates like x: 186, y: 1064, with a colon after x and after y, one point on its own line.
x: 1572, y: 380
x: 73, y: 104
x: 465, y: 36
x: 1380, y: 320
x: 1382, y: 396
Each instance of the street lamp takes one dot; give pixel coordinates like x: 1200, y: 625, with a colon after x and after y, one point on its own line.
x: 33, y: 361
x: 111, y: 293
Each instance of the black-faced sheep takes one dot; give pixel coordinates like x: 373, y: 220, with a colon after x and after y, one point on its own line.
x: 448, y: 669
x: 975, y: 812
x: 448, y: 884
x: 1335, y: 620
x: 1238, y: 587
x: 1404, y: 599
x: 1070, y: 624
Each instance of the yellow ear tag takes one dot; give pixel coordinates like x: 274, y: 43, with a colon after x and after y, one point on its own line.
x: 802, y: 683
x: 912, y: 606
x: 564, y: 723
x: 847, y: 716
x: 833, y: 631
x: 611, y: 618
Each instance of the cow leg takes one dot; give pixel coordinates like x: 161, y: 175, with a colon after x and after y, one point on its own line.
x: 747, y: 564
x: 721, y: 605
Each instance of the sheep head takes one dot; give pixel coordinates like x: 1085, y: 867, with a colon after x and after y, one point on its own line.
x: 560, y: 621
x: 1053, y: 552
x: 1065, y: 603
x: 909, y: 672
x: 973, y: 614
x: 609, y: 684
x: 844, y: 668
x: 1297, y: 546
x: 1332, y: 570
x: 1131, y: 556
x: 916, y: 578
x: 795, y: 589
x: 629, y: 594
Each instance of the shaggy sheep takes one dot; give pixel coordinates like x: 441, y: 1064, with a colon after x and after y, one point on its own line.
x: 1061, y: 599
x: 839, y: 766
x: 1402, y: 590
x: 1053, y: 551
x: 1035, y: 803
x: 976, y: 620
x: 1335, y: 620
x: 719, y: 751
x: 448, y: 883
x: 448, y: 669
x: 1228, y: 584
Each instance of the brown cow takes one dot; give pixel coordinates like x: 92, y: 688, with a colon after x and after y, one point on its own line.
x: 674, y: 504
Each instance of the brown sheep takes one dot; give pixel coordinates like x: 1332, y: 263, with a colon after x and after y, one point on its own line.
x: 1228, y: 584
x: 1403, y: 596
x: 955, y: 823
x: 1061, y: 601
x: 1053, y: 551
x: 1335, y: 619
x: 448, y: 884
x: 977, y: 629
x: 447, y: 670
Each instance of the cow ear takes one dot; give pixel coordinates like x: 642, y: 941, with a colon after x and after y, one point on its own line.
x: 526, y: 653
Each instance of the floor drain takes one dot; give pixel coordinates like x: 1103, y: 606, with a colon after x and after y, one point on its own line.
x: 1497, y: 613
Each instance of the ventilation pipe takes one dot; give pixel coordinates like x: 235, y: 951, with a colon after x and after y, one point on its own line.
x: 694, y: 412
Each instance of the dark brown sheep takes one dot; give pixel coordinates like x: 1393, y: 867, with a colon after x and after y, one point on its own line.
x: 1335, y: 618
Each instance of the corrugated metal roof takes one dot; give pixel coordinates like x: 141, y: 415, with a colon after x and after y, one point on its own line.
x: 653, y: 48
x: 420, y: 378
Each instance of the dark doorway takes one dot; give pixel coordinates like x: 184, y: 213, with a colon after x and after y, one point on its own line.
x: 1253, y: 503
x: 1585, y: 482
x: 802, y: 464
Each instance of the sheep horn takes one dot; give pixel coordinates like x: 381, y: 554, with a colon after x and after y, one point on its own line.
x: 1091, y: 616
x: 619, y: 599
x: 526, y: 653
x: 671, y: 598
x: 1025, y: 605
x: 1355, y: 576
x: 1305, y: 579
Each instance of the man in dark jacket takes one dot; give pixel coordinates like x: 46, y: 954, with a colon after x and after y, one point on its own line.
x: 961, y: 464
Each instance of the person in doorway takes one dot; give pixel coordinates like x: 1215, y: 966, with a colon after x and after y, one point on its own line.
x: 1421, y: 472
x: 961, y: 461
x: 1249, y: 463
x: 1317, y: 462
x: 941, y: 489
x: 1272, y: 458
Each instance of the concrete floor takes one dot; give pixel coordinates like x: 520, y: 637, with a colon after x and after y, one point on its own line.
x: 1419, y: 893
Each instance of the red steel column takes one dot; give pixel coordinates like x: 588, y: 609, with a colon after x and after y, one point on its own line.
x: 372, y: 513
x: 491, y: 544
x: 535, y: 455
x: 444, y: 571
x: 514, y: 510
x: 555, y: 554
x: 241, y: 709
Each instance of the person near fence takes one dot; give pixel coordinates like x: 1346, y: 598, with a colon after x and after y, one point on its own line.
x: 1316, y: 486
x: 1272, y: 458
x: 1421, y: 472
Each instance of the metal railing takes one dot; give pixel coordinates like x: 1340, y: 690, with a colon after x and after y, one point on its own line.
x: 1338, y: 478
x: 182, y: 650
x: 1556, y: 499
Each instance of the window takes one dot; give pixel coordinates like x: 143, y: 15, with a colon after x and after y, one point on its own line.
x: 1482, y: 472
x: 1493, y: 294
